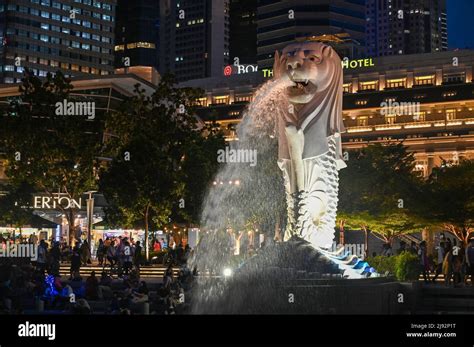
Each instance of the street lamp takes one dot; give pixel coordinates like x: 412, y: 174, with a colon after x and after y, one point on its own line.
x: 90, y: 213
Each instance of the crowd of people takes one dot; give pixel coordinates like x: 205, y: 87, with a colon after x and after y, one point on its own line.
x: 451, y: 259
x: 117, y: 290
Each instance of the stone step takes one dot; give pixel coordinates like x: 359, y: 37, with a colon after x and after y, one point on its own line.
x: 145, y: 271
x: 449, y: 303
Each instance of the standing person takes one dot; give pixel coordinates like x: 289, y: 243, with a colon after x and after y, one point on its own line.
x: 179, y: 253
x: 85, y: 253
x: 403, y: 247
x: 33, y: 238
x: 470, y: 260
x: 75, y: 261
x: 448, y: 267
x: 55, y: 258
x: 137, y: 257
x: 42, y: 255
x: 413, y: 249
x: 449, y: 245
x: 101, y: 252
x: 424, y: 262
x: 157, y: 246
x: 119, y: 254
x: 439, y: 263
x: 387, y: 250
x: 111, y: 254
x: 127, y: 257
x: 456, y: 263
x: 106, y: 248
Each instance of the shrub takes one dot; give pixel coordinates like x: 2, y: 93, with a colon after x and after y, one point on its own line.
x: 383, y: 264
x: 407, y: 267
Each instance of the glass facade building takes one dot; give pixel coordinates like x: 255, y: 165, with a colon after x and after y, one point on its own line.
x: 406, y: 27
x: 194, y: 38
x: 281, y: 22
x: 137, y: 33
x: 73, y: 36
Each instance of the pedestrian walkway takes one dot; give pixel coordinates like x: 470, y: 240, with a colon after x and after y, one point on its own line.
x: 446, y: 300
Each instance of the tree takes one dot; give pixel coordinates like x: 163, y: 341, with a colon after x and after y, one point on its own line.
x: 198, y: 162
x: 159, y: 150
x: 15, y: 205
x: 378, y: 191
x: 52, y: 152
x: 447, y: 199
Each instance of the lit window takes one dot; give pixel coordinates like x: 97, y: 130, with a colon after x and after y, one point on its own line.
x: 424, y: 80
x: 396, y: 83
x: 221, y: 100
x: 243, y: 98
x: 449, y: 94
x: 362, y: 121
x: 390, y: 119
x: 372, y: 85
x: 201, y: 102
x: 451, y: 114
x: 420, y: 116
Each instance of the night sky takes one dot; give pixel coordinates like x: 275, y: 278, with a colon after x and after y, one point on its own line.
x: 460, y: 23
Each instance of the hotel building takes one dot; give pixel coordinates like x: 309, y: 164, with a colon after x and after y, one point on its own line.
x: 425, y: 101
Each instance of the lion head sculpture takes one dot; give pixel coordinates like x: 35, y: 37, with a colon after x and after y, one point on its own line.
x: 313, y: 71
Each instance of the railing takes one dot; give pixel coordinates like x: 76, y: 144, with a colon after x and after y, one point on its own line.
x: 411, y: 125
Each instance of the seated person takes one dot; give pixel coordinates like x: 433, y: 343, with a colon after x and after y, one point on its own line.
x: 92, y: 287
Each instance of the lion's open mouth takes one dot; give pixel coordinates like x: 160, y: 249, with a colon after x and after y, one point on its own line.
x: 300, y: 88
x: 301, y: 85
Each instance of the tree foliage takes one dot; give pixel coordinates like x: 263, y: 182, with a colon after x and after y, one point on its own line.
x: 161, y: 158
x: 51, y: 152
x: 377, y: 191
x: 447, y: 199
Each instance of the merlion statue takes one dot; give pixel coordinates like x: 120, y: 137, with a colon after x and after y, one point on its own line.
x: 309, y: 137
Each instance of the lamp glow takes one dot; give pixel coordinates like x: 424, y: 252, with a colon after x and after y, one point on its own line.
x: 227, y: 272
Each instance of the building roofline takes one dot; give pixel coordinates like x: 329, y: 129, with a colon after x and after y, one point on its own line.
x: 123, y: 82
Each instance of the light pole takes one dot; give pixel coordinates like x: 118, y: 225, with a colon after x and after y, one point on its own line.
x: 90, y: 215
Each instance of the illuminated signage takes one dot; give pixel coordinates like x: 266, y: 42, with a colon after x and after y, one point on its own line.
x: 267, y: 73
x: 354, y: 64
x: 47, y: 202
x: 239, y: 69
x: 346, y: 64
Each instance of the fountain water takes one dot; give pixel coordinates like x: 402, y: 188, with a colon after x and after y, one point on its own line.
x: 293, y: 123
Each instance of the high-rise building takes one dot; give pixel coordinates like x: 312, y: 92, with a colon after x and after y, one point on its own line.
x: 137, y: 38
x: 281, y: 22
x: 243, y: 31
x: 406, y: 27
x: 73, y: 36
x: 194, y: 38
